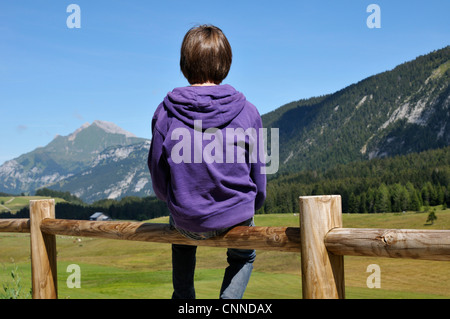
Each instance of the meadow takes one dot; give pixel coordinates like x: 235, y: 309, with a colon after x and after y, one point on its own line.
x: 126, y: 269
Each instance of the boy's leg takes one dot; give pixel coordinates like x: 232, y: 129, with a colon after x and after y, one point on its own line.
x: 183, y: 268
x: 237, y: 274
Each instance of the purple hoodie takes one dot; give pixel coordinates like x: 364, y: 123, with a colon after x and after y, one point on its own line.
x: 204, y: 186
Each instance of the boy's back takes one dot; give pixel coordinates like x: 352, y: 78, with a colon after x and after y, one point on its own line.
x: 201, y: 157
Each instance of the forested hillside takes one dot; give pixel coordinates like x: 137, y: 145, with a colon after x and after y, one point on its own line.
x: 401, y: 111
x: 379, y: 185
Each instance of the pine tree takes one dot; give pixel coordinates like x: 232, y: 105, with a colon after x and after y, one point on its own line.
x: 382, y: 199
x: 353, y: 203
x: 431, y: 217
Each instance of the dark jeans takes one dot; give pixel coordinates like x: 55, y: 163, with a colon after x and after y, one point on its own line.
x: 235, y: 279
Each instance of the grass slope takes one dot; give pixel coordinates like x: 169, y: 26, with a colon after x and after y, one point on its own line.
x: 16, y: 203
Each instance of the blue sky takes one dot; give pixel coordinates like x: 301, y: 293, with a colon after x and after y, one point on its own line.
x: 125, y: 57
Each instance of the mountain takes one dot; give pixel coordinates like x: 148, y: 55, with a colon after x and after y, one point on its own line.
x: 116, y: 172
x: 396, y: 112
x: 63, y: 157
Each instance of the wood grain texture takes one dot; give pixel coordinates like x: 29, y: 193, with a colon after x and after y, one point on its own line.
x: 322, y: 272
x: 19, y: 225
x: 243, y: 237
x: 43, y: 251
x: 393, y: 243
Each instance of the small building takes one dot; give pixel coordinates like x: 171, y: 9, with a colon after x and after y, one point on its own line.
x: 99, y: 216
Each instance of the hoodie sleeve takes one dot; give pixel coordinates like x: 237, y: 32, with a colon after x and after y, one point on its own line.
x: 257, y: 172
x: 157, y: 162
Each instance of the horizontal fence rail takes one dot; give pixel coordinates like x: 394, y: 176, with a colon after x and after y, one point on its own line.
x: 320, y: 239
x: 243, y: 237
x: 372, y: 242
x: 394, y: 243
x: 19, y: 225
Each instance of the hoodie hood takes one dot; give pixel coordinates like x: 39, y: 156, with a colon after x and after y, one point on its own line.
x: 214, y: 105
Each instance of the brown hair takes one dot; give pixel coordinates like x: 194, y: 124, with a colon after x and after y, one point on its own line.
x: 205, y: 55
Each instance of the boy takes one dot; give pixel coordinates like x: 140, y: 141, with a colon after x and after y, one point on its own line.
x: 211, y: 182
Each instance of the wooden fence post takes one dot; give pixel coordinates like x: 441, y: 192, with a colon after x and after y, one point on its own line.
x: 322, y: 272
x: 43, y: 251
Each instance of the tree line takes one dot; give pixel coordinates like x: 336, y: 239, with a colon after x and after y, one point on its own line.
x: 393, y: 184
x: 67, y: 196
x: 127, y: 208
x: 283, y: 198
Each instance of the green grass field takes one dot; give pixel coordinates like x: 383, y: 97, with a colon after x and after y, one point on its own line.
x: 126, y: 269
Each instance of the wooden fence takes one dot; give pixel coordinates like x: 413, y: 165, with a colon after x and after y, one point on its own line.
x: 321, y: 240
